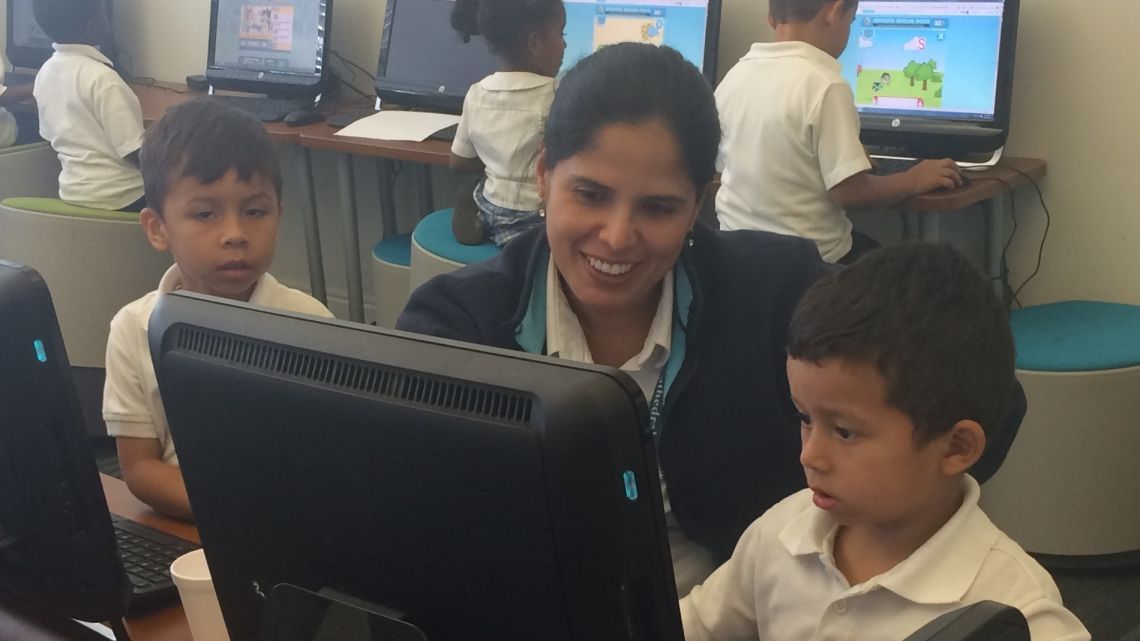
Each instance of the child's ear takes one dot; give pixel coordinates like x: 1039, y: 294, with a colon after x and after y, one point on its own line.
x: 534, y: 41
x: 155, y: 229
x: 836, y: 13
x: 964, y: 446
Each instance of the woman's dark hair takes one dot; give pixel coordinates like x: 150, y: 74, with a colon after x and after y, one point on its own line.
x: 503, y: 23
x: 632, y: 83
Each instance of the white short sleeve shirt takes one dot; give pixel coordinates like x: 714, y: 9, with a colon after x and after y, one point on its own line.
x: 782, y: 584
x: 93, y: 121
x: 791, y: 133
x: 504, y: 116
x: 692, y: 562
x: 132, y: 405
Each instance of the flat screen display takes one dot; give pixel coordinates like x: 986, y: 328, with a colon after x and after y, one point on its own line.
x: 424, y: 62
x: 935, y: 59
x: 268, y: 41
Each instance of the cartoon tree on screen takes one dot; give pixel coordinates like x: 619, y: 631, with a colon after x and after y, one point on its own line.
x: 911, y: 71
x: 925, y: 73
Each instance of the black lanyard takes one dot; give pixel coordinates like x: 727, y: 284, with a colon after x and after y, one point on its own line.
x: 657, y: 401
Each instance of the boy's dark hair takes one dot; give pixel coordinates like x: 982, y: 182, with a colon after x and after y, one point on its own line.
x: 204, y: 138
x: 783, y: 11
x: 503, y: 23
x: 632, y: 83
x: 65, y: 21
x: 928, y: 321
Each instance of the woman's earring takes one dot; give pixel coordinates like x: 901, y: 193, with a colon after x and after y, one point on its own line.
x: 542, y: 210
x: 689, y: 238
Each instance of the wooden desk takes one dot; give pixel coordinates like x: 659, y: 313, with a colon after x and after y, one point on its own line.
x: 993, y: 189
x: 21, y: 622
x: 157, y: 98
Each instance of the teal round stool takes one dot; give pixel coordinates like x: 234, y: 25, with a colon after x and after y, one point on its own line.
x: 435, y: 250
x: 93, y: 260
x: 1070, y: 486
x: 391, y: 269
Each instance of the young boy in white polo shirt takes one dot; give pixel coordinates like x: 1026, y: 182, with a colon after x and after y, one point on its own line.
x: 213, y: 184
x: 790, y: 158
x: 89, y: 115
x: 899, y: 366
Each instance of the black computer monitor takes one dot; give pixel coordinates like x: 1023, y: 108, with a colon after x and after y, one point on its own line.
x: 424, y: 63
x: 933, y: 78
x: 27, y: 46
x: 484, y: 494
x: 273, y: 47
x: 57, y: 546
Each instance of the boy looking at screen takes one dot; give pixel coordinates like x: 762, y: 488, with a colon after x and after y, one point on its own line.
x: 214, y: 186
x: 899, y: 366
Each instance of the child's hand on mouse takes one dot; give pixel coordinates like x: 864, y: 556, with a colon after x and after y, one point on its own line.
x: 929, y: 175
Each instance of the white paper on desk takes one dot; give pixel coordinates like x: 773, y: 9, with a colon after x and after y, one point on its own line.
x: 413, y: 126
x: 98, y: 627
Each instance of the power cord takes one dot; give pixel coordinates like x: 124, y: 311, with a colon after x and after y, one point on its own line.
x: 127, y: 70
x: 1016, y: 291
x: 352, y: 64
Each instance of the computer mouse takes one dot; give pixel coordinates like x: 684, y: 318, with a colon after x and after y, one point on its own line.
x: 300, y: 117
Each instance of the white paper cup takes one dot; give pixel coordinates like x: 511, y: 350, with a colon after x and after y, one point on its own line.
x: 192, y: 577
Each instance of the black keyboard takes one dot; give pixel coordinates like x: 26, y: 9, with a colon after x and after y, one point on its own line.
x: 447, y: 133
x: 147, y: 554
x: 267, y: 109
x: 888, y: 166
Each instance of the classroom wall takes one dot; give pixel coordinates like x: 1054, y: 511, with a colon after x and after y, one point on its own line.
x: 1073, y: 106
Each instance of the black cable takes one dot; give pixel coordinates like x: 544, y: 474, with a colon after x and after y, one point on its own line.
x: 353, y: 64
x: 1044, y: 236
x: 348, y: 83
x: 147, y: 81
x: 1003, y: 269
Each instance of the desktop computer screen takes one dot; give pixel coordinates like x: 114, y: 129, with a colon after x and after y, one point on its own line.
x: 692, y: 27
x: 483, y: 495
x: 424, y: 63
x: 933, y: 72
x: 57, y: 545
x: 268, y: 46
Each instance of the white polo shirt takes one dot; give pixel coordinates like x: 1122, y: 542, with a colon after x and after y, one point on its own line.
x: 132, y: 405
x: 692, y: 563
x: 781, y: 583
x: 791, y: 133
x: 504, y: 116
x: 93, y: 121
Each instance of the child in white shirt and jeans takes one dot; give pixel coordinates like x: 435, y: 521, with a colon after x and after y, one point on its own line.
x: 504, y: 114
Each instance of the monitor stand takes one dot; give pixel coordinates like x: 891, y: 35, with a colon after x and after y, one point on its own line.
x: 267, y: 107
x: 971, y: 162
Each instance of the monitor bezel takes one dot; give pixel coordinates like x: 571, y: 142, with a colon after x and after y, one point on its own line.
x: 453, y: 102
x: 266, y: 82
x: 930, y: 136
x: 70, y: 565
x: 200, y: 342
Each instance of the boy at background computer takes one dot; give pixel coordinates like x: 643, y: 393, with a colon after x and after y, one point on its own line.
x: 900, y: 366
x: 791, y: 157
x: 87, y: 112
x: 213, y: 185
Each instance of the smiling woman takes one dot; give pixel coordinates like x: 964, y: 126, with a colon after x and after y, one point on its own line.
x: 622, y: 275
